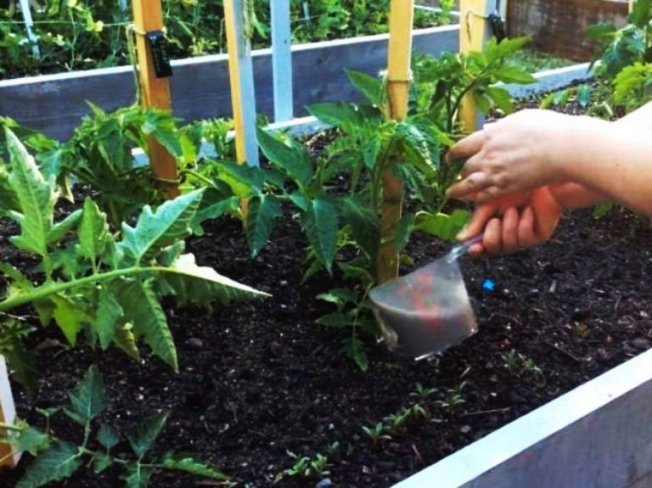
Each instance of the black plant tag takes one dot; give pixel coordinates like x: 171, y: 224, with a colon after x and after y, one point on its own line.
x: 158, y: 45
x: 497, y: 26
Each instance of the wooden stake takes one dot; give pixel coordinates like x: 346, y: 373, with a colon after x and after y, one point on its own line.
x: 398, y: 85
x: 474, y: 33
x: 243, y: 96
x: 8, y: 454
x: 148, y: 16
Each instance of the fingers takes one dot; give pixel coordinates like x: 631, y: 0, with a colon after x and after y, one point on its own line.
x: 479, y: 219
x: 475, y: 183
x: 466, y: 148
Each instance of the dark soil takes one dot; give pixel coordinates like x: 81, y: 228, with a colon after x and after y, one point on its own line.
x: 260, y: 379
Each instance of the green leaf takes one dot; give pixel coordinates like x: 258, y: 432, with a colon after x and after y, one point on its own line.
x: 244, y: 181
x: 156, y: 230
x: 320, y: 223
x: 337, y: 320
x: 292, y: 159
x: 403, y: 230
x: 59, y: 231
x: 262, y: 212
x: 344, y: 115
x: 101, y: 461
x: 94, y: 234
x: 354, y: 348
x: 442, y: 225
x: 339, y: 296
x: 514, y: 74
x: 68, y: 317
x: 142, y: 309
x: 364, y: 223
x: 106, y: 437
x: 201, y: 284
x: 640, y: 14
x: 125, y: 340
x: 109, y: 313
x: 138, y: 476
x: 214, y: 211
x: 36, y: 199
x: 31, y: 440
x: 191, y: 465
x: 501, y: 98
x: 371, y: 87
x: 88, y: 399
x: 57, y: 463
x: 147, y: 433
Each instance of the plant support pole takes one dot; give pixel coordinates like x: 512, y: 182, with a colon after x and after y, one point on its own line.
x: 29, y: 25
x: 282, y: 61
x: 474, y: 33
x: 148, y: 17
x: 8, y: 454
x: 398, y: 86
x: 241, y: 71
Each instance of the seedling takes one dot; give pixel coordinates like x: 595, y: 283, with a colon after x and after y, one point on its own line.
x: 306, y: 467
x: 377, y: 432
x: 58, y: 459
x: 454, y: 397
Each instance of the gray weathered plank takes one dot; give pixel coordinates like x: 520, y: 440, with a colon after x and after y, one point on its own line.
x: 55, y: 104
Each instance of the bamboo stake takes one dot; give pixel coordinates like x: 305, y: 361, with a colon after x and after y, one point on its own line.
x: 631, y: 4
x: 474, y: 33
x: 8, y: 454
x: 148, y: 16
x: 243, y: 97
x: 398, y: 85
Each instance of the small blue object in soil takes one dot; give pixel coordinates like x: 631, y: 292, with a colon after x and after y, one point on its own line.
x: 489, y: 285
x: 325, y: 483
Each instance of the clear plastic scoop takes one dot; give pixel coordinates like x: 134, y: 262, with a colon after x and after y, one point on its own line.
x: 428, y: 310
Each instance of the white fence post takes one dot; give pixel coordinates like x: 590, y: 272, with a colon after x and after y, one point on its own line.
x: 123, y: 5
x: 282, y: 60
x: 29, y: 24
x: 8, y: 454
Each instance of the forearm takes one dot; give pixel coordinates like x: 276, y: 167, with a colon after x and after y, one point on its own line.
x: 610, y: 158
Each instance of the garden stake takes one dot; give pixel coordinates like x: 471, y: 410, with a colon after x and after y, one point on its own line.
x: 148, y: 18
x: 243, y: 98
x: 398, y: 84
x: 474, y: 33
x: 428, y: 310
x: 8, y: 455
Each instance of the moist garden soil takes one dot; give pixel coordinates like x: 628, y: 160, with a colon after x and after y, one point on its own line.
x: 261, y: 379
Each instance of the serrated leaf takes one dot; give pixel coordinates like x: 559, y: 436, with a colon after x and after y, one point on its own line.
x: 88, y: 399
x: 138, y: 476
x: 36, y: 199
x: 142, y: 309
x: 292, y: 160
x: 156, y: 230
x: 262, y: 212
x: 364, y: 223
x: 191, y: 465
x: 57, y: 463
x: 369, y: 86
x: 94, y: 234
x: 146, y: 433
x: 31, y: 440
x: 106, y: 437
x: 320, y: 223
x: 202, y: 284
x: 109, y: 313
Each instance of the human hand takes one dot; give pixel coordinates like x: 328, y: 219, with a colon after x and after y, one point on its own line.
x: 514, y: 222
x: 515, y: 154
